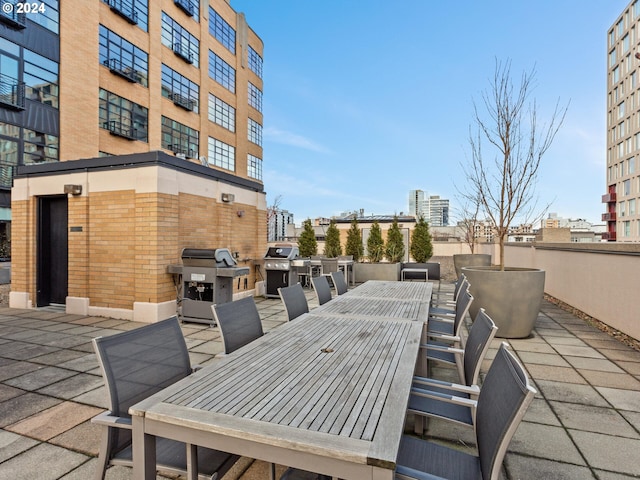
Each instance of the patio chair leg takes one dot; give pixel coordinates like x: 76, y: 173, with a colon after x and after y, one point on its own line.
x: 192, y: 462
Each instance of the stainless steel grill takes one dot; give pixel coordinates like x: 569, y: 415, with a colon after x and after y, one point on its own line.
x: 207, y: 279
x: 280, y: 264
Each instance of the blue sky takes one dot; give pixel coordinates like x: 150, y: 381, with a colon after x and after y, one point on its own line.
x: 364, y: 101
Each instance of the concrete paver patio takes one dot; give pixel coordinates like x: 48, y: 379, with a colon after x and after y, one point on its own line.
x: 583, y: 424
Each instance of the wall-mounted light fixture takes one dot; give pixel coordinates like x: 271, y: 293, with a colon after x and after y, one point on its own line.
x: 228, y: 197
x: 240, y: 213
x: 73, y: 189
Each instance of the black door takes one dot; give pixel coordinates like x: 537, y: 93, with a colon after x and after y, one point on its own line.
x: 52, y: 251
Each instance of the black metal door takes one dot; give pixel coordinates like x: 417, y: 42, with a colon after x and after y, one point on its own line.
x: 52, y: 251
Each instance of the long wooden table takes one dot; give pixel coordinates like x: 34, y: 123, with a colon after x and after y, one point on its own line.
x: 325, y: 393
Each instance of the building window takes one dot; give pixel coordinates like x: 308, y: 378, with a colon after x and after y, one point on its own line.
x: 122, y: 117
x: 180, y: 41
x: 626, y: 187
x: 49, y: 16
x: 9, y: 138
x: 222, y: 113
x: 632, y: 206
x: 40, y: 78
x: 189, y: 7
x: 221, y: 154
x: 616, y: 75
x: 39, y: 147
x: 621, y: 110
x: 222, y: 31
x: 135, y: 12
x: 179, y: 138
x: 123, y: 58
x: 612, y: 57
x: 222, y: 72
x: 626, y: 228
x: 255, y: 97
x: 254, y: 167
x: 255, y: 62
x: 179, y: 89
x: 254, y: 132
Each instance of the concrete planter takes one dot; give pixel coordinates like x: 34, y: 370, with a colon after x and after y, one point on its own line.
x: 376, y: 271
x: 512, y: 298
x: 470, y: 260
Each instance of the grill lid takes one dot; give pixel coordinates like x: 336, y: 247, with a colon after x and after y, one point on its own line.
x: 208, y: 257
x: 286, y: 252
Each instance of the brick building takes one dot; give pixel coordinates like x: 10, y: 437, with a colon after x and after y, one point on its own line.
x: 148, y: 140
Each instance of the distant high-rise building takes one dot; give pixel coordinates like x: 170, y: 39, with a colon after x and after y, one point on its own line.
x: 278, y: 222
x: 433, y: 208
x: 622, y: 199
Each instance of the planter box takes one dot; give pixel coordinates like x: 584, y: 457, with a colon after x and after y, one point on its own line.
x: 470, y: 260
x: 432, y: 267
x: 376, y: 271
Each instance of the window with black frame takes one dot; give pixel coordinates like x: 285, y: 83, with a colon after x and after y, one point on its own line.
x: 180, y: 41
x: 122, y: 117
x: 222, y: 72
x: 41, y: 79
x: 255, y: 62
x: 221, y: 154
x: 254, y: 167
x: 222, y: 31
x: 179, y: 138
x: 123, y: 58
x: 135, y: 12
x: 222, y: 113
x: 255, y: 97
x: 179, y: 89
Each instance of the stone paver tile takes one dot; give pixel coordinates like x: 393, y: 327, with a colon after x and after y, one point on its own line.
x: 577, y: 351
x: 54, y: 421
x: 527, y: 346
x: 601, y: 364
x: 83, y: 363
x: 542, y: 359
x: 88, y: 470
x: 73, y: 386
x: 621, y: 399
x: 593, y: 419
x: 12, y: 444
x: 52, y: 462
x: 559, y: 374
x: 632, y: 367
x: 23, y: 406
x: 58, y: 339
x: 540, y: 412
x: 26, y: 351
x: 16, y: 368
x: 523, y: 467
x: 609, y: 379
x: 609, y: 452
x: 627, y: 354
x: 40, y: 378
x: 605, y: 342
x: 545, y: 441
x: 567, y: 343
x: 97, y: 398
x: 602, y: 475
x: 571, y: 393
x: 209, y: 334
x: 84, y: 438
x: 58, y: 357
x: 7, y: 392
x: 632, y: 417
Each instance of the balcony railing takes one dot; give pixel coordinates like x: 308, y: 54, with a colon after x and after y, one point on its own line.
x: 186, y: 6
x: 183, y: 101
x: 609, y: 217
x: 117, y: 128
x: 183, y: 52
x: 610, y: 236
x: 179, y: 149
x: 127, y: 72
x: 11, y: 93
x: 125, y: 10
x: 9, y: 15
x: 609, y: 197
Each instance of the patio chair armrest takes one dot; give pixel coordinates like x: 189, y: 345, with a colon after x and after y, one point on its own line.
x: 406, y: 473
x: 106, y: 418
x: 456, y: 387
x: 443, y: 397
x: 444, y: 336
x: 442, y: 348
x: 443, y: 317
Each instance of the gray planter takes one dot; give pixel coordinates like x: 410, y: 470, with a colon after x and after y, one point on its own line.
x: 376, y: 271
x: 512, y: 298
x: 470, y: 260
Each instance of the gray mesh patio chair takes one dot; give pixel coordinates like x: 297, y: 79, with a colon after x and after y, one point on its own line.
x: 239, y: 323
x: 451, y: 324
x: 135, y: 365
x: 426, y: 399
x: 322, y: 289
x: 339, y: 282
x: 448, y: 299
x: 294, y: 300
x: 504, y: 398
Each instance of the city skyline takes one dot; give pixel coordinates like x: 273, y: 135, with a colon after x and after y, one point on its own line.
x: 363, y: 105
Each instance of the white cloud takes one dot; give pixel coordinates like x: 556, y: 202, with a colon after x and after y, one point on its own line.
x: 288, y: 138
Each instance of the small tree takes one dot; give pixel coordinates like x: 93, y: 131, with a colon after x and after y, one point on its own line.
x: 307, y: 243
x: 469, y: 221
x: 394, y: 249
x: 421, y: 247
x: 354, y: 242
x: 504, y: 177
x: 375, y: 243
x: 332, y: 247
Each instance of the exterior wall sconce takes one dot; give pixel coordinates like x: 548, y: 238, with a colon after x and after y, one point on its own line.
x: 228, y: 197
x: 240, y: 213
x: 73, y: 189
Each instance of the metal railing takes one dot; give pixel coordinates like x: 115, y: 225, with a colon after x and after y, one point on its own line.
x: 183, y: 101
x: 12, y: 93
x: 124, y: 9
x: 10, y: 16
x: 127, y: 72
x: 186, y: 6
